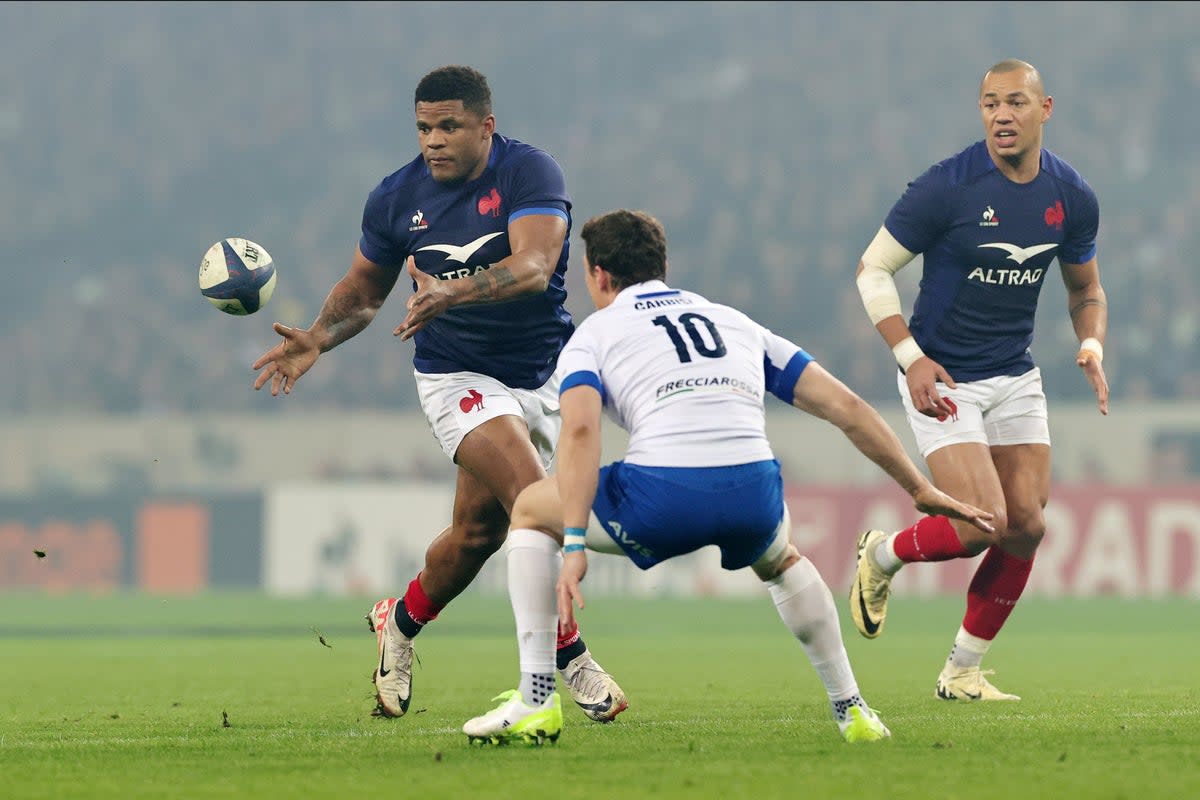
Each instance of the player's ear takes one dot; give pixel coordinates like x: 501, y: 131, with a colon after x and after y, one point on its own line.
x: 603, y: 278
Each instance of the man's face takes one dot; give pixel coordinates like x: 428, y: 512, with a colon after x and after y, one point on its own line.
x: 454, y: 141
x: 1013, y: 110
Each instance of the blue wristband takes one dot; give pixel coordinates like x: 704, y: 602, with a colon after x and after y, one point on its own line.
x: 574, y: 539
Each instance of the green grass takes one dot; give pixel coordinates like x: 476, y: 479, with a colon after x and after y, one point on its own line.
x: 123, y: 696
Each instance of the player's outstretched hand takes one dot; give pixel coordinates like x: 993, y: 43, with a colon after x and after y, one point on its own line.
x: 430, y: 299
x: 923, y: 376
x: 284, y: 363
x: 1093, y: 370
x: 931, y: 500
x: 573, y: 569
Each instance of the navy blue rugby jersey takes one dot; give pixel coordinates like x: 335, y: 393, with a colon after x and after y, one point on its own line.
x: 988, y: 243
x: 456, y: 231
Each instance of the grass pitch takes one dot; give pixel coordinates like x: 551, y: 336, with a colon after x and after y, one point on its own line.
x: 238, y: 696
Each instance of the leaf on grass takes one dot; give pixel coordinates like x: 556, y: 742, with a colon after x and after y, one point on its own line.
x: 225, y: 719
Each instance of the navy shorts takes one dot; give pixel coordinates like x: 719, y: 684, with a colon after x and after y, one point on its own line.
x: 656, y: 513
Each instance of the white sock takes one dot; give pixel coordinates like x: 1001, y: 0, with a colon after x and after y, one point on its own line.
x: 968, y: 650
x: 806, y: 606
x: 534, y: 561
x: 536, y: 688
x: 885, y: 555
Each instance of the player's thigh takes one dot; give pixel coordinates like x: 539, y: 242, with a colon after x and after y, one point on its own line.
x: 539, y: 507
x: 500, y: 456
x: 479, y: 518
x: 484, y: 427
x: 1024, y: 471
x: 457, y: 403
x: 956, y: 449
x: 1018, y: 430
x: 966, y: 472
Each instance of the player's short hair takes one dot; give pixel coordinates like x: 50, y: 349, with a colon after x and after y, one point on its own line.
x: 1013, y: 65
x: 456, y: 82
x: 630, y: 245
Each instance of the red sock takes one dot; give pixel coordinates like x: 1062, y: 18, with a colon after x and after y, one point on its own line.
x: 417, y: 603
x: 931, y: 539
x: 994, y: 591
x: 568, y: 637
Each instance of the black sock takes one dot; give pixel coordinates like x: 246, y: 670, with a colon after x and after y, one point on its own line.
x: 407, y: 625
x: 565, y: 654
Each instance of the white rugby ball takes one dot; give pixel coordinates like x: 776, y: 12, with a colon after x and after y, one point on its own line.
x: 237, y: 276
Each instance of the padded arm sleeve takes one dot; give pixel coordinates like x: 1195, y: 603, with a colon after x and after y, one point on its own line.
x: 882, y: 259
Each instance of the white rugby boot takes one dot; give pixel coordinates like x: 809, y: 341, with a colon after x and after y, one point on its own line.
x: 393, y: 673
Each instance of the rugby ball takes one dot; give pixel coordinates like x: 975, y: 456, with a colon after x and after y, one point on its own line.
x: 237, y: 276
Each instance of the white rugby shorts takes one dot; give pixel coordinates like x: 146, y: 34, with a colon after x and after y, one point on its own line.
x: 456, y: 403
x: 1007, y: 409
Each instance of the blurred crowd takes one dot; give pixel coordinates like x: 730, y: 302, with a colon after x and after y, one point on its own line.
x: 770, y: 139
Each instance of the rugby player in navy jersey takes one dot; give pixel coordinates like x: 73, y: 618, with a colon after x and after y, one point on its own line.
x: 479, y: 223
x: 687, y: 378
x: 990, y: 221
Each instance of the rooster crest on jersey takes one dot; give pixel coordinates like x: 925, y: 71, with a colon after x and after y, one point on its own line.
x: 237, y: 276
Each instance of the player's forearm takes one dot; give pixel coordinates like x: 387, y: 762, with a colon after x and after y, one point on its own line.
x: 872, y: 436
x: 346, y: 312
x: 1089, y: 312
x: 893, y: 330
x: 518, y: 275
x: 877, y: 286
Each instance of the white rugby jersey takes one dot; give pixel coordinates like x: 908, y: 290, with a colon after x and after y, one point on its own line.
x: 684, y: 376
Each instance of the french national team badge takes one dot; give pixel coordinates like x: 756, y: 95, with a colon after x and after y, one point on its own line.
x: 953, y: 415
x: 1055, y: 216
x: 489, y: 204
x: 473, y: 401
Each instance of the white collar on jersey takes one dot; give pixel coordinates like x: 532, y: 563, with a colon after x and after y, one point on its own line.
x: 641, y: 290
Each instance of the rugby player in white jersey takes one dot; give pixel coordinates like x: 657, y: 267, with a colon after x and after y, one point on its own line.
x: 686, y: 378
x: 990, y: 221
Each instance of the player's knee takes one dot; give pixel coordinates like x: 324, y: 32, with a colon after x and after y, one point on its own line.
x: 537, y: 506
x: 780, y: 554
x: 975, y: 541
x: 482, y: 537
x: 776, y: 562
x: 525, y: 510
x: 1023, y: 530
